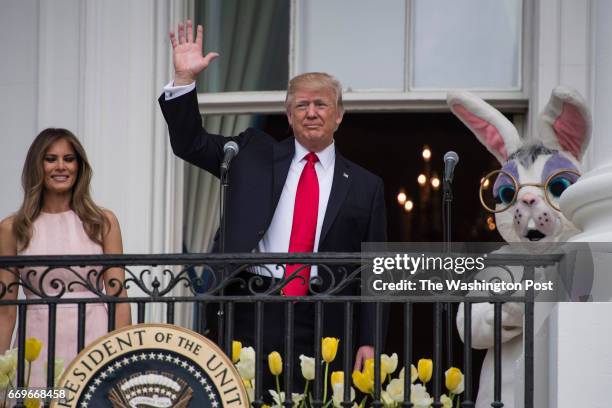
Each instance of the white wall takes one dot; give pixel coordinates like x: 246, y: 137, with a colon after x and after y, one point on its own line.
x: 574, y: 49
x: 96, y: 68
x: 19, y: 101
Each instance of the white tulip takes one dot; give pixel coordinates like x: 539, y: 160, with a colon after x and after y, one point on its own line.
x: 389, y: 364
x: 246, y: 365
x: 414, y: 374
x: 386, y: 399
x: 419, y: 396
x: 338, y: 394
x: 58, y: 369
x: 446, y: 402
x: 5, y: 364
x: 308, y: 367
x: 395, y: 389
x: 279, y: 399
x: 4, y: 380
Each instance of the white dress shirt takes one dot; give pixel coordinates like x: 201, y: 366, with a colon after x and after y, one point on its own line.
x: 276, y: 238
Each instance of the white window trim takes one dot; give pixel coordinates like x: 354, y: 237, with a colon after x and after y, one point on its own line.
x: 421, y: 100
x: 273, y: 102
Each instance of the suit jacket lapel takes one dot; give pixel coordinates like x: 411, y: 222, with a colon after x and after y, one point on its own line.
x: 283, y: 154
x: 340, y: 187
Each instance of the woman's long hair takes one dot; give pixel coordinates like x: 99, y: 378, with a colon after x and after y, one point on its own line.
x: 94, y: 221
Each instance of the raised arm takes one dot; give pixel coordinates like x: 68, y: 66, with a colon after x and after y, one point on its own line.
x: 187, y: 54
x: 8, y: 247
x: 189, y: 140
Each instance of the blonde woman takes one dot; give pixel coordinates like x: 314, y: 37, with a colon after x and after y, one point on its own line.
x: 58, y: 217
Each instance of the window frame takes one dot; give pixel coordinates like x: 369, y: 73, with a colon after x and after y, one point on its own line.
x: 407, y: 100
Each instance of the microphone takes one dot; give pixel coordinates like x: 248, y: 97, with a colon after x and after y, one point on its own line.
x: 450, y: 161
x: 230, y: 150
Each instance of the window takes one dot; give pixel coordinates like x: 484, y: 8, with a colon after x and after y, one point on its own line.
x: 472, y: 44
x: 395, y: 55
x: 252, y: 38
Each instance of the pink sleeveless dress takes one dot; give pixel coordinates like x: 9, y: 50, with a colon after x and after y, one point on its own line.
x: 61, y: 234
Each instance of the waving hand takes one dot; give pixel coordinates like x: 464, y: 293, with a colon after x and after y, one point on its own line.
x: 187, y: 54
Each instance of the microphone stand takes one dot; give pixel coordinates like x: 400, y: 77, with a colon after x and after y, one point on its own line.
x: 223, y: 202
x: 446, y: 226
x: 225, y: 332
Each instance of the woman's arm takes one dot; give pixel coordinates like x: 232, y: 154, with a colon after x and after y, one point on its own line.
x: 112, y: 244
x: 8, y: 247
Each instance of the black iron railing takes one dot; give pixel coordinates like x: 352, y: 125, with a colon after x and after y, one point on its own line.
x: 158, y: 276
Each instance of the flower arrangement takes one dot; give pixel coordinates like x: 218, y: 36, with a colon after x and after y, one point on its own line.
x: 8, y: 370
x: 392, y: 389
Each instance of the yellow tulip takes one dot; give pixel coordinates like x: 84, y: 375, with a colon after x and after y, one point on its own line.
x: 265, y: 406
x: 362, y: 382
x: 31, y: 403
x: 337, y: 377
x: 275, y: 362
x: 425, y: 369
x: 236, y: 347
x: 454, y: 380
x: 368, y: 369
x: 329, y: 347
x: 4, y: 380
x: 32, y: 348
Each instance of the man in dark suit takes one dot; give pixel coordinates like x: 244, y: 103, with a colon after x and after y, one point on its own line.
x: 297, y: 195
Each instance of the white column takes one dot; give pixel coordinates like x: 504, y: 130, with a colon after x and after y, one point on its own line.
x: 126, y: 54
x: 563, y: 55
x: 589, y: 202
x: 583, y: 356
x: 97, y: 68
x: 18, y: 87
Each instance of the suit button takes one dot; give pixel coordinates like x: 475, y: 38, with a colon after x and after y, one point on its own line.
x: 261, y: 233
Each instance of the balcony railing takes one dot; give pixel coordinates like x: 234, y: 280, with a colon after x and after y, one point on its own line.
x: 157, y: 278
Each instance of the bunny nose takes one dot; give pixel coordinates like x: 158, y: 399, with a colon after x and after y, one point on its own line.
x: 529, y: 199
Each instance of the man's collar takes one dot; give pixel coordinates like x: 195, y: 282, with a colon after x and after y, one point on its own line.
x: 326, y: 156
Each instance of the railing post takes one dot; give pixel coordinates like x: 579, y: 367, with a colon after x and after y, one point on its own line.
x: 260, y: 358
x: 497, y: 362
x: 407, y: 354
x: 348, y: 334
x: 528, y: 338
x: 467, y: 355
x: 377, y: 351
x: 318, y: 402
x: 288, y: 363
x: 437, y: 363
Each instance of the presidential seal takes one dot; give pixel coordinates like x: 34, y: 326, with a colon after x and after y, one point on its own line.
x: 152, y: 366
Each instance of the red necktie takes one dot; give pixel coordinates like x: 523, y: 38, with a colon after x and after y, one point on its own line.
x: 304, y: 227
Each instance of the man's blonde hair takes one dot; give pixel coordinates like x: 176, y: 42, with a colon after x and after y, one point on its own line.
x: 314, y: 81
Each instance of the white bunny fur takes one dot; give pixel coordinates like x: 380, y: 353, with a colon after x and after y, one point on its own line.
x: 564, y: 131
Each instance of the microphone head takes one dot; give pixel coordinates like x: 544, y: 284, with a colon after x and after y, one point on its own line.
x: 452, y: 156
x: 231, y: 145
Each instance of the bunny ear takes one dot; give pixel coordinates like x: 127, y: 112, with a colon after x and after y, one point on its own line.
x: 491, y: 128
x: 565, y: 122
